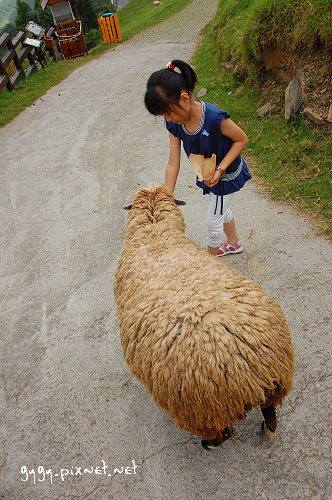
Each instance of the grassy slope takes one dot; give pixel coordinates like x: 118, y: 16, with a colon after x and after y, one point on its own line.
x: 292, y: 159
x: 247, y: 27
x: 136, y: 16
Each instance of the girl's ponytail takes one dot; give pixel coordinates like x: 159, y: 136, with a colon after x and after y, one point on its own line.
x: 187, y: 73
x: 164, y: 87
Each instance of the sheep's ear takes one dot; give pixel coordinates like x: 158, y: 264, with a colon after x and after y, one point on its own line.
x: 129, y: 207
x: 179, y: 202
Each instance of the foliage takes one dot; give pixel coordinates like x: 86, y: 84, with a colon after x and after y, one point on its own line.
x: 103, y: 7
x: 87, y: 15
x: 9, y: 28
x: 24, y: 14
x: 43, y: 17
x: 92, y: 38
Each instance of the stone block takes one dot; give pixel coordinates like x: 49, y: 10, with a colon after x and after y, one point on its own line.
x: 294, y: 95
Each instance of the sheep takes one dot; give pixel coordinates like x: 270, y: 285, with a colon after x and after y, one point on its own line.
x: 207, y: 343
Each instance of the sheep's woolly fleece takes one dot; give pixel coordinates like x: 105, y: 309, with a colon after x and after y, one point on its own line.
x: 208, y: 343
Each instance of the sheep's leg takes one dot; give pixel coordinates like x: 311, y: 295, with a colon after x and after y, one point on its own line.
x: 269, y: 424
x: 219, y: 440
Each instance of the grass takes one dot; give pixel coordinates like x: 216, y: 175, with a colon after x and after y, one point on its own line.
x: 291, y: 158
x: 246, y: 28
x: 135, y: 17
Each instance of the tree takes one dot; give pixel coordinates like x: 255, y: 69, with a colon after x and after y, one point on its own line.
x: 87, y: 14
x: 24, y: 14
x: 9, y: 28
x: 43, y: 17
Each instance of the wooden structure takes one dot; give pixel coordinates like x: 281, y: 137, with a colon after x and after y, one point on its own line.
x: 52, y: 45
x: 68, y: 28
x: 71, y: 38
x: 27, y: 52
x: 110, y: 28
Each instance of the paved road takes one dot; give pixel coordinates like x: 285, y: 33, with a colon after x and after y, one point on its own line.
x: 67, y: 400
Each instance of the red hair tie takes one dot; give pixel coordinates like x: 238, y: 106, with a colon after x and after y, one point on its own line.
x: 169, y: 65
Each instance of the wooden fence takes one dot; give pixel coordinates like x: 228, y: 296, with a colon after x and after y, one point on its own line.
x: 27, y: 52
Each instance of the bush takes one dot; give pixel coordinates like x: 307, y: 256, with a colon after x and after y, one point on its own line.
x: 92, y: 38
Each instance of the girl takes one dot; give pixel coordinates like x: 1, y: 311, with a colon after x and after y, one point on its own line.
x: 205, y: 130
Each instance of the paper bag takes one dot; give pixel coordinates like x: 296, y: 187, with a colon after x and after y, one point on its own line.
x: 204, y: 167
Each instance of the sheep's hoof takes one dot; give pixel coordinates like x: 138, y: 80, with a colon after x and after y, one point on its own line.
x: 268, y: 431
x: 214, y: 443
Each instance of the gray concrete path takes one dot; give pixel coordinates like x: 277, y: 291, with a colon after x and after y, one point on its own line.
x: 71, y: 413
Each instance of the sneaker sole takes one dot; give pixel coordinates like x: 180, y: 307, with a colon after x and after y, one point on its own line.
x: 238, y: 250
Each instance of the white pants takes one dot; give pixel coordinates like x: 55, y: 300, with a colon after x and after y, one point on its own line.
x: 215, y: 222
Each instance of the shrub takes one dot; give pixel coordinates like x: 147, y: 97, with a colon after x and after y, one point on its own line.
x: 92, y: 38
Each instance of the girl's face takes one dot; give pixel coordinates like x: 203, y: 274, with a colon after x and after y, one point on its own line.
x: 176, y: 115
x: 179, y: 113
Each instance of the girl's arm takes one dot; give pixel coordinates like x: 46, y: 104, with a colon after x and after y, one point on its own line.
x: 173, y: 165
x: 240, y: 140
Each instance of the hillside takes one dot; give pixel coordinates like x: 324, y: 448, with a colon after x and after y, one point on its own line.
x: 8, y: 11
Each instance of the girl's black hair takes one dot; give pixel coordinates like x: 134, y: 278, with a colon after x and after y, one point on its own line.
x: 164, y: 87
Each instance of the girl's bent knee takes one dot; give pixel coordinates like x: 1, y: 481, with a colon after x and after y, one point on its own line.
x: 214, y: 240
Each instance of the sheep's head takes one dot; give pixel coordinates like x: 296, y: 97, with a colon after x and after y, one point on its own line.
x: 154, y: 205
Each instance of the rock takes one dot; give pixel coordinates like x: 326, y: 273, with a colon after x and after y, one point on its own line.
x: 294, y: 95
x: 311, y: 115
x: 267, y: 108
x: 280, y: 75
x: 201, y: 92
x: 229, y: 66
x: 240, y: 72
x: 239, y: 90
x: 329, y: 114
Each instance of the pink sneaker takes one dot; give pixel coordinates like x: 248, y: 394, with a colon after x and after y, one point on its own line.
x: 227, y: 248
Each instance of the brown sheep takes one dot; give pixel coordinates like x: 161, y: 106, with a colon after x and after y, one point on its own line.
x: 208, y: 343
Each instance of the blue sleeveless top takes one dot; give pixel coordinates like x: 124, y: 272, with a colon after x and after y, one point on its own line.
x: 209, y: 139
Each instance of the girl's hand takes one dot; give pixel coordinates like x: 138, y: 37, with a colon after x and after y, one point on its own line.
x: 215, y: 179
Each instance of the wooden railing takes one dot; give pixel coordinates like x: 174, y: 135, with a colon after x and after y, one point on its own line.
x: 17, y: 61
x: 26, y: 52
